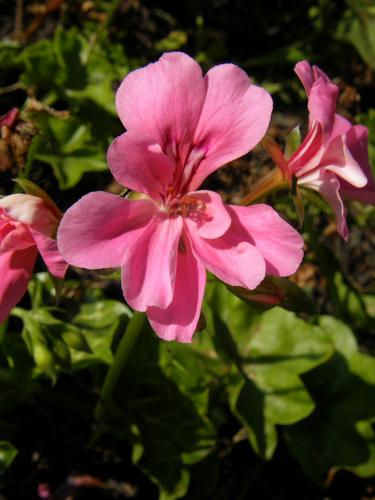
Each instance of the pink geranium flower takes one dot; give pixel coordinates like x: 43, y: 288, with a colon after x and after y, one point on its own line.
x: 333, y: 157
x: 181, y: 126
x: 27, y: 226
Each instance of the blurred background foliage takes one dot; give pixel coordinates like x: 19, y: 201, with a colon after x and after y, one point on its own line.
x: 268, y: 403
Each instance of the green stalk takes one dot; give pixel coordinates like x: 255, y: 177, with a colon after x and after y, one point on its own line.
x: 3, y: 329
x: 124, y: 349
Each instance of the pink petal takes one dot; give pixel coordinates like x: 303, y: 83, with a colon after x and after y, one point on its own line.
x: 309, y: 75
x: 15, y: 236
x: 304, y: 72
x: 310, y: 152
x: 149, y: 265
x: 47, y: 248
x: 357, y: 142
x: 327, y: 184
x: 179, y: 320
x: 163, y: 100
x: 29, y: 210
x: 10, y: 118
x: 215, y: 219
x: 234, y: 118
x: 322, y: 95
x: 322, y: 105
x: 16, y: 269
x: 232, y: 258
x: 139, y: 164
x: 339, y: 160
x: 319, y: 73
x: 96, y: 230
x: 341, y: 126
x: 280, y: 244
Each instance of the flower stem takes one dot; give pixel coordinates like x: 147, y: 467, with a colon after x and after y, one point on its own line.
x: 278, y: 178
x: 272, y: 181
x: 124, y: 349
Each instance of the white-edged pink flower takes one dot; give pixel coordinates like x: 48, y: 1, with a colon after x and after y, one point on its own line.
x: 181, y: 126
x: 28, y: 225
x: 333, y: 158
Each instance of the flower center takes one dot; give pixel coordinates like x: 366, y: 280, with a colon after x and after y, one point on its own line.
x: 186, y: 206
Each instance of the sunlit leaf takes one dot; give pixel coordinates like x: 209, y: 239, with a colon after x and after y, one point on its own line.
x: 8, y: 453
x: 269, y: 352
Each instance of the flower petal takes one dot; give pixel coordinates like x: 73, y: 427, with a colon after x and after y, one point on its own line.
x: 47, y: 248
x: 163, y: 100
x: 149, y: 266
x: 215, y: 219
x: 341, y: 126
x: 322, y: 105
x: 327, y: 184
x: 179, y: 320
x: 96, y: 230
x: 16, y: 269
x: 280, y: 244
x: 322, y: 95
x: 309, y: 74
x: 232, y: 258
x: 234, y: 118
x: 357, y: 142
x: 30, y: 210
x: 310, y: 152
x: 339, y: 160
x: 139, y: 164
x: 15, y: 236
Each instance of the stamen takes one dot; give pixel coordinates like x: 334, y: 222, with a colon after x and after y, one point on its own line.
x: 186, y: 206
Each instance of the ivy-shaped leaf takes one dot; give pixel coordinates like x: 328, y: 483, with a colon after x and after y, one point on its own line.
x: 336, y: 434
x: 269, y: 353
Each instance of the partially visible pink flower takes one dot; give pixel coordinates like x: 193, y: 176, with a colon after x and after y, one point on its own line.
x: 10, y: 118
x: 181, y: 126
x: 27, y: 226
x: 333, y: 157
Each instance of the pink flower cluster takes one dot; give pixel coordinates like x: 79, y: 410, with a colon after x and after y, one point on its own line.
x: 181, y: 126
x: 27, y: 226
x: 333, y: 157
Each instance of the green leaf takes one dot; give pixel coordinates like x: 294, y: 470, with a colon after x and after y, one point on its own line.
x: 193, y: 368
x: 369, y: 301
x: 8, y: 453
x: 41, y: 55
x: 293, y: 142
x: 368, y: 119
x: 98, y: 322
x: 348, y: 303
x: 8, y: 53
x: 270, y: 352
x: 358, y: 28
x: 169, y: 433
x: 44, y: 359
x: 58, y: 62
x: 334, y: 436
x: 75, y: 339
x: 68, y: 150
x: 288, y: 54
x: 68, y: 46
x: 174, y: 41
x: 16, y: 386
